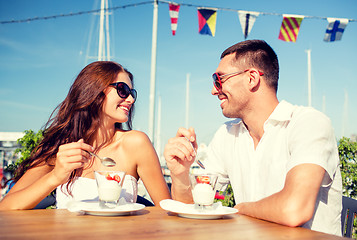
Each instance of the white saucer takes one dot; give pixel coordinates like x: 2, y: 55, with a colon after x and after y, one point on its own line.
x: 189, y: 211
x: 92, y: 208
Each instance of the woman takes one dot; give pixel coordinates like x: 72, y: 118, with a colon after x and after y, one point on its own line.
x: 90, y: 119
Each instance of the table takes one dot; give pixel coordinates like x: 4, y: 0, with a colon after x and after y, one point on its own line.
x: 149, y: 223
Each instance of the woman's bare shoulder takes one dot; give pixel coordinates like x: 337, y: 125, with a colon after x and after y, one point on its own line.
x: 134, y: 138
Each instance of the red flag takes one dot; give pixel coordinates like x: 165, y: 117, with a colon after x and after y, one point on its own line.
x: 174, y: 12
x: 290, y: 28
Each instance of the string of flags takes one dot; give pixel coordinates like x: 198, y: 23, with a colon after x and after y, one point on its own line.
x: 207, y: 18
x: 289, y: 30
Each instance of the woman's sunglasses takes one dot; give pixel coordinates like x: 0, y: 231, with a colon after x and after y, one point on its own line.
x: 124, y: 90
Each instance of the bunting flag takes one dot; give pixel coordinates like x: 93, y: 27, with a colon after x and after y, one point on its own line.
x: 335, y: 29
x: 207, y: 21
x: 174, y: 12
x: 290, y: 26
x: 247, y: 20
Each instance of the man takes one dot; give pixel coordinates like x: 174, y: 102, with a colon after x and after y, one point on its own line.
x: 281, y: 159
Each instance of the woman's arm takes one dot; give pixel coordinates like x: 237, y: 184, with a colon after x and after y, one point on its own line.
x: 32, y: 187
x: 40, y: 181
x: 138, y: 146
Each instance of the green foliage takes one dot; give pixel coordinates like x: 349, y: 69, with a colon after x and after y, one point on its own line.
x: 28, y: 143
x: 348, y: 159
x: 228, y: 200
x: 347, y: 150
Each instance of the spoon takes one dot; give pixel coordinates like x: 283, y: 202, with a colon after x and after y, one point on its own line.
x: 108, y: 162
x: 197, y: 160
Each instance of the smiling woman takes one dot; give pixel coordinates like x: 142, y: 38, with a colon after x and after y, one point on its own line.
x: 95, y: 117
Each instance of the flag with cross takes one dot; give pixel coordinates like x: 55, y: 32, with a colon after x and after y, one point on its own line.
x: 335, y: 29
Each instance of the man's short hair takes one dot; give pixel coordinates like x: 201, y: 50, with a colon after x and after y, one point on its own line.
x: 257, y: 54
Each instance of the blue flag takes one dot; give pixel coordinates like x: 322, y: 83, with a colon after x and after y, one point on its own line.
x: 335, y: 29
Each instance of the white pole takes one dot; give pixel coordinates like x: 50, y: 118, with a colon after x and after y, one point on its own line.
x: 107, y: 30
x: 324, y: 104
x: 345, y: 115
x: 187, y: 98
x: 101, y: 32
x: 309, y: 76
x: 158, y: 129
x: 153, y: 72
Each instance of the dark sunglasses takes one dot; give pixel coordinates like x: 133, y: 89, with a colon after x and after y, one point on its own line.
x: 217, y: 79
x: 124, y: 90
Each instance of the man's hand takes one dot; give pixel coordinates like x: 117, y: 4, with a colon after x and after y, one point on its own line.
x: 180, y: 153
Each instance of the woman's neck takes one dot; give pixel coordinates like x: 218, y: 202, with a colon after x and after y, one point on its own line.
x: 104, y: 136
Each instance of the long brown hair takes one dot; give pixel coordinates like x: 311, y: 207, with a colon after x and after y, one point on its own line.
x: 78, y: 116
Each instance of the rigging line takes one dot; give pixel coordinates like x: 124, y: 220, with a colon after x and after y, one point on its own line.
x: 144, y: 3
x: 236, y: 10
x: 72, y: 14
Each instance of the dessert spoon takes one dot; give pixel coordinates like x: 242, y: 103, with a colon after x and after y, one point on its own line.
x: 196, y: 160
x: 106, y: 161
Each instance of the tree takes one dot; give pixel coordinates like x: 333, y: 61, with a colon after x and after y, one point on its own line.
x: 27, y: 144
x: 347, y: 150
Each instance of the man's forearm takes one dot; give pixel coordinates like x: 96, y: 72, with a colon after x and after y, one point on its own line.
x: 278, y: 208
x: 181, y: 190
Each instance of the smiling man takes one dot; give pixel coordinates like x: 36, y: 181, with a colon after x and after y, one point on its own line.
x: 281, y: 159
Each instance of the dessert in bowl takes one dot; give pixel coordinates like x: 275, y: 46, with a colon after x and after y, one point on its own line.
x: 109, y: 187
x: 203, y: 188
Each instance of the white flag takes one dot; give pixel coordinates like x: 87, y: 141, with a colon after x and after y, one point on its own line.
x: 247, y: 20
x: 335, y: 29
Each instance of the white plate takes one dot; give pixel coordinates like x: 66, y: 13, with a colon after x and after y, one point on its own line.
x: 189, y: 211
x: 92, y: 208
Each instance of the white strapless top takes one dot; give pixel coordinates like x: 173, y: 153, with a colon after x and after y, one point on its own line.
x: 86, y: 189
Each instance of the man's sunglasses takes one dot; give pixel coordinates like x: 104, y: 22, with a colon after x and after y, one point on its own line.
x: 124, y: 90
x: 217, y: 79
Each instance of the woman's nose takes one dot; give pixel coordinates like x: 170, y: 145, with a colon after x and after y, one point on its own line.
x: 130, y: 99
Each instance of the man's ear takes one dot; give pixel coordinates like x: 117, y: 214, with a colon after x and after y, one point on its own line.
x: 254, y: 79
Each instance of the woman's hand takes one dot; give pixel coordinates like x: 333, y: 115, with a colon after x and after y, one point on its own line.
x: 71, y: 156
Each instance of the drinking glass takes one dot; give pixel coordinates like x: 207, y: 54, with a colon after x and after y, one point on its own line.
x: 109, y: 187
x: 203, y: 189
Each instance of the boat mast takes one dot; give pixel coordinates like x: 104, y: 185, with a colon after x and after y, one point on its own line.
x: 104, y: 42
x: 153, y: 72
x: 308, y: 51
x: 187, y: 98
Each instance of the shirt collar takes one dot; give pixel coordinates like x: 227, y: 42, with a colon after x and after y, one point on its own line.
x: 282, y: 112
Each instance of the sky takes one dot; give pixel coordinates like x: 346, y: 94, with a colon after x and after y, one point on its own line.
x: 40, y: 59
